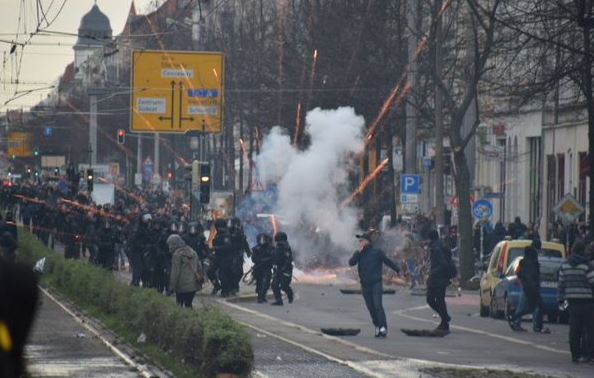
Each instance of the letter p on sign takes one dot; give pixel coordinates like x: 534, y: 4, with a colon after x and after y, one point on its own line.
x: 410, y: 184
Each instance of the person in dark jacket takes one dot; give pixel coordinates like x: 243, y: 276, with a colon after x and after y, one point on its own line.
x: 263, y: 259
x: 10, y: 226
x: 439, y: 279
x: 283, y: 269
x: 224, y: 258
x: 576, y: 285
x: 105, y: 246
x: 8, y: 247
x: 370, y: 261
x: 528, y: 272
x: 19, y: 298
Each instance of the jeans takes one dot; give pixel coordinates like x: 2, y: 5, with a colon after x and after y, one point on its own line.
x: 527, y: 306
x: 411, y: 265
x: 581, y: 326
x: 373, y: 300
x: 436, y: 300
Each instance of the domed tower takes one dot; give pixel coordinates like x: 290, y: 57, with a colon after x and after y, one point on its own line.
x: 94, y: 33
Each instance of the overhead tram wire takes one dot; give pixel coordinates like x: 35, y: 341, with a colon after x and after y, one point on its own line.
x: 22, y: 17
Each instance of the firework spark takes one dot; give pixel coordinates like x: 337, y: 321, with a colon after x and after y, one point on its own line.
x: 366, y: 182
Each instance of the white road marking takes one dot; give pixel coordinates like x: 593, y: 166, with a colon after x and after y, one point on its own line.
x: 478, y: 331
x: 393, y: 367
x: 307, y: 330
x: 141, y: 369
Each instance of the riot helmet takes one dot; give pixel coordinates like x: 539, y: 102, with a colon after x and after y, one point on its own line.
x: 280, y: 236
x: 263, y: 239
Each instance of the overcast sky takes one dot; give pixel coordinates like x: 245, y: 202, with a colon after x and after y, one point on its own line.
x: 44, y: 60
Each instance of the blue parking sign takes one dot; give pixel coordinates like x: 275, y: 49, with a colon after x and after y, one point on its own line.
x: 410, y: 184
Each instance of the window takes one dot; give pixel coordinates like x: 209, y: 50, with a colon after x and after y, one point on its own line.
x: 535, y: 178
x: 494, y: 259
x: 551, y: 185
x: 560, y: 176
x: 584, y: 169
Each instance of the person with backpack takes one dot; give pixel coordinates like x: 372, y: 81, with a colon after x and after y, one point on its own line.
x: 441, y: 271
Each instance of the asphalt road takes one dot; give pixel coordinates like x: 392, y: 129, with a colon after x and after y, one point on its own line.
x: 474, y: 341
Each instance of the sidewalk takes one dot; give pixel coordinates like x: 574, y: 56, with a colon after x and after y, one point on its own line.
x: 59, y: 346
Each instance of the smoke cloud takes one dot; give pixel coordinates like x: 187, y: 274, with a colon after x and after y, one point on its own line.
x: 313, y: 183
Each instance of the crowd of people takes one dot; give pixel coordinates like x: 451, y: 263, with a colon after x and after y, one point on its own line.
x: 150, y: 234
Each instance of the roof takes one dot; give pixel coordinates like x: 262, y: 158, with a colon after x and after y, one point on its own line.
x: 524, y: 243
x: 94, y: 28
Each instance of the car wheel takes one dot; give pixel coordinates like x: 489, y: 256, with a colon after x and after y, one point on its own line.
x: 495, y: 314
x: 484, y: 310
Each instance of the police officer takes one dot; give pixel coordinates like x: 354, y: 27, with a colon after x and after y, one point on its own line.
x: 239, y: 246
x: 263, y: 259
x: 283, y: 269
x: 106, y: 241
x: 219, y: 271
x: 140, y: 235
x: 196, y: 240
x: 71, y: 238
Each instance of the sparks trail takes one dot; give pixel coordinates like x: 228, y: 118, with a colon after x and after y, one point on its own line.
x: 366, y: 182
x: 73, y: 204
x: 312, y: 78
x: 274, y: 224
x: 395, y: 97
x: 298, y: 127
x: 93, y: 210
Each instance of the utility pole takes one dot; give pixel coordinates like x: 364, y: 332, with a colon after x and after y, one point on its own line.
x: 93, y: 129
x: 199, y: 44
x: 139, y: 155
x: 412, y: 121
x: 157, y: 157
x: 439, y: 198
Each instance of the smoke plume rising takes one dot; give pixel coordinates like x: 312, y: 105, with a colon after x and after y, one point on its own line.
x: 312, y: 183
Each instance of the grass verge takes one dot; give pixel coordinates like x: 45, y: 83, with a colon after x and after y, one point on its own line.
x: 447, y: 372
x: 203, y: 343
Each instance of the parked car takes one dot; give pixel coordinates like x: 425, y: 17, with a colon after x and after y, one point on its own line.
x: 503, y: 254
x: 508, y: 290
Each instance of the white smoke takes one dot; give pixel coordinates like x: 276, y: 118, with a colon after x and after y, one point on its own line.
x: 313, y: 183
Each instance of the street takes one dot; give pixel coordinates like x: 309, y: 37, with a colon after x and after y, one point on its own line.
x: 474, y: 341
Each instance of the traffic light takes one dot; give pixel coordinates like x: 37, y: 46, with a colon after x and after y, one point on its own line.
x: 90, y: 178
x: 121, y: 136
x: 204, y: 182
x: 56, y: 171
x: 36, y: 151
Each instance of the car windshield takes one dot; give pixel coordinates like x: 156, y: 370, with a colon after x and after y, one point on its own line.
x: 545, y: 252
x: 549, y: 268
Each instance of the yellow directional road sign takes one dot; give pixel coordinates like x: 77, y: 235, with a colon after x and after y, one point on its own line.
x: 177, y: 91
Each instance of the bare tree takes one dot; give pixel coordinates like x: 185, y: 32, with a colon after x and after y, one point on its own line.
x: 469, y: 32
